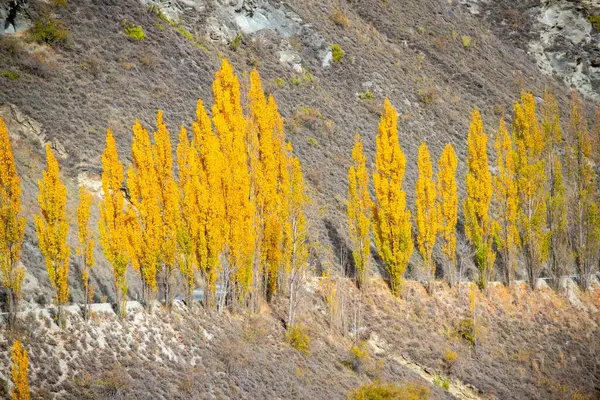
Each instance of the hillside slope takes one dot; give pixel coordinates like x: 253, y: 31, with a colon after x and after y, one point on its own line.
x: 100, y: 78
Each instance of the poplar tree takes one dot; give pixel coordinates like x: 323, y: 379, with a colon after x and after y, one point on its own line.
x: 584, y: 218
x: 19, y: 372
x: 168, y: 198
x: 144, y: 221
x: 528, y: 141
x: 211, y: 236
x: 506, y: 203
x: 85, y: 249
x: 52, y: 228
x: 263, y: 156
x: 113, y: 233
x: 296, y: 248
x: 392, y: 225
x: 359, y: 211
x: 427, y: 219
x: 478, y: 224
x: 12, y: 226
x: 558, y: 253
x: 447, y: 209
x: 230, y: 124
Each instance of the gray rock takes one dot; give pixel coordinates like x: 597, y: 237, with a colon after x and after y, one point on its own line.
x: 327, y: 59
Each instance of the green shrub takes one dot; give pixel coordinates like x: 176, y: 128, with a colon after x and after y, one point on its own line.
x: 280, y: 82
x: 313, y: 142
x: 466, y: 40
x: 47, y: 29
x: 442, y: 382
x: 184, y: 32
x: 308, y: 77
x: 427, y: 96
x: 297, y: 337
x: 595, y: 20
x: 368, y: 95
x: 59, y: 3
x: 236, y: 42
x: 134, y: 31
x: 390, y: 391
x: 466, y: 330
x: 337, y: 53
x: 358, y: 357
x: 296, y: 80
x: 10, y: 75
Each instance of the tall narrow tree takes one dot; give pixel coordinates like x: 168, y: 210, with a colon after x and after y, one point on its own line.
x: 506, y: 203
x: 359, y: 211
x: 85, y: 248
x: 168, y: 196
x: 528, y: 141
x: 478, y: 224
x: 144, y: 220
x: 584, y: 219
x: 447, y: 204
x: 12, y: 226
x: 559, y: 258
x: 230, y: 124
x: 113, y: 233
x: 52, y: 228
x: 427, y: 219
x: 392, y: 224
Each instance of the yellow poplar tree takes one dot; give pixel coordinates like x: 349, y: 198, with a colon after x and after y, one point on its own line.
x: 427, y: 219
x: 296, y: 249
x: 168, y: 195
x: 144, y: 220
x: 12, y: 226
x: 262, y: 146
x: 52, y: 228
x: 583, y: 203
x: 85, y: 249
x: 112, y: 224
x: 230, y: 124
x: 19, y: 372
x: 391, y: 220
x: 558, y: 253
x: 209, y: 197
x: 529, y: 145
x: 506, y: 203
x: 478, y: 224
x: 447, y: 209
x: 359, y: 211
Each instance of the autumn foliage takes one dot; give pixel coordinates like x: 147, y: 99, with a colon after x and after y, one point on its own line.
x: 19, y: 372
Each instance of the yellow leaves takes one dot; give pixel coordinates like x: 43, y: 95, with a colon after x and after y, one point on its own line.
x: 359, y: 210
x: 85, y: 249
x: 427, y: 220
x: 506, y: 202
x: 529, y: 145
x: 113, y: 234
x: 478, y: 227
x: 52, y: 228
x: 12, y: 225
x: 230, y: 124
x: 19, y: 372
x: 447, y: 204
x: 391, y: 220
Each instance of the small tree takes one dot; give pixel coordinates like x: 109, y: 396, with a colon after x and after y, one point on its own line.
x: 392, y: 226
x: 52, y: 228
x: 85, y: 250
x: 359, y: 211
x: 12, y: 226
x: 447, y: 210
x: 478, y: 224
x: 427, y: 219
x: 19, y: 372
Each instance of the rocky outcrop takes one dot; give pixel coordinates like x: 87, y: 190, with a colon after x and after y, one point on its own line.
x: 13, y: 17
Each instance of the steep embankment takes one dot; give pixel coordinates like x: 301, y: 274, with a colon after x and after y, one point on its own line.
x: 433, y: 59
x: 523, y: 345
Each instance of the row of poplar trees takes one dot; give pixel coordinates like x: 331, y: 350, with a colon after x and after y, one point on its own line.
x: 524, y: 210
x: 233, y: 212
